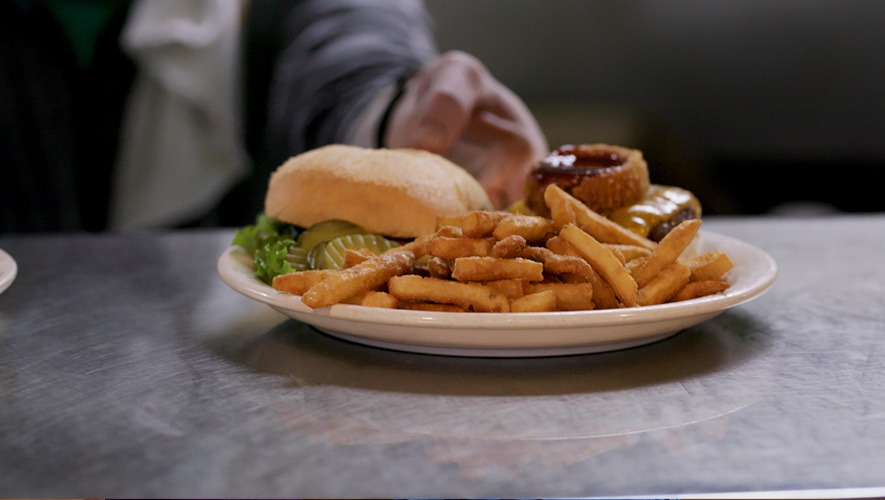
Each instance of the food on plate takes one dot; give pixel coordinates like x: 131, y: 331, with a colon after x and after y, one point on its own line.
x: 381, y: 244
x: 602, y: 176
x: 367, y: 275
x: 336, y: 198
x: 667, y: 251
x: 566, y: 209
x: 604, y: 261
x: 568, y: 269
x: 396, y: 193
x: 614, y: 182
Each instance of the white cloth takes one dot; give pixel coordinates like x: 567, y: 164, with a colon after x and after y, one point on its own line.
x: 182, y: 144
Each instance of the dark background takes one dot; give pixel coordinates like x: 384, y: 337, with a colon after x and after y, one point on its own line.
x: 757, y: 106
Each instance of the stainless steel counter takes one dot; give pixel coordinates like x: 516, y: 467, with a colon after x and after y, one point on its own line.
x: 127, y: 368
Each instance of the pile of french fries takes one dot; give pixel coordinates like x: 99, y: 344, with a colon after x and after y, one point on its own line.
x: 503, y: 262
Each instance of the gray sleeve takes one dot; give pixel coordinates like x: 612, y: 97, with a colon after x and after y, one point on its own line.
x: 337, y: 55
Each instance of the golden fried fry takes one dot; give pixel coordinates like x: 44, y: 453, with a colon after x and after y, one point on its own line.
x: 471, y: 296
x: 420, y: 245
x: 372, y: 298
x: 559, y: 246
x: 379, y: 299
x: 561, y: 211
x: 448, y: 220
x: 299, y: 282
x: 452, y: 248
x: 367, y: 275
x: 603, y: 262
x: 353, y: 257
x: 634, y: 265
x: 617, y: 253
x: 603, y: 294
x: 569, y: 296
x: 709, y: 266
x: 508, y: 247
x: 555, y: 263
x: 695, y: 289
x: 439, y: 268
x: 668, y: 250
x: 481, y: 223
x: 490, y: 268
x: 542, y: 301
x: 664, y: 285
x: 602, y: 229
x: 530, y: 227
x: 510, y: 288
x: 429, y: 306
x: 630, y: 252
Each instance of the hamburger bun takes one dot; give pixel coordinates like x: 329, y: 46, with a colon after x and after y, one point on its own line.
x: 391, y: 192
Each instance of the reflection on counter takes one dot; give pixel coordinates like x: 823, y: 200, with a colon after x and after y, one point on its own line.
x: 491, y: 416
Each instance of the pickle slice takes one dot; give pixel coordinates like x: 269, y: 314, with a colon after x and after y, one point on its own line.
x: 330, y: 254
x: 297, y: 258
x: 325, y: 231
x: 313, y: 257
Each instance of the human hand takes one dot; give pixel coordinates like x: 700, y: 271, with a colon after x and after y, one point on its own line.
x: 454, y: 107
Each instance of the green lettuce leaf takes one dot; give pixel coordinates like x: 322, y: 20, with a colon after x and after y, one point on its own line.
x: 268, y: 242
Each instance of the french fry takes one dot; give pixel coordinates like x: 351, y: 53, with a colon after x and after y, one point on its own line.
x: 542, y: 301
x: 353, y: 257
x: 439, y: 268
x: 429, y: 306
x: 300, y: 281
x: 452, y: 248
x: 470, y: 296
x: 561, y: 211
x: 602, y: 229
x: 480, y: 223
x: 633, y: 265
x: 356, y: 300
x: 618, y: 255
x: 603, y: 261
x: 508, y: 247
x: 555, y: 263
x: 379, y: 299
x: 664, y: 285
x: 367, y: 275
x: 372, y: 298
x: 603, y: 294
x: 630, y: 252
x: 709, y: 266
x: 668, y: 250
x: 490, y: 268
x: 448, y: 220
x: 420, y: 245
x: 530, y: 227
x: 696, y: 289
x: 510, y: 288
x: 569, y: 296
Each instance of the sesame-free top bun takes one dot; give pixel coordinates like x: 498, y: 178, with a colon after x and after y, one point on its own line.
x: 392, y: 192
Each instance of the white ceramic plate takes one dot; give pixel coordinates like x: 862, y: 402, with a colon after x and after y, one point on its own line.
x: 516, y: 334
x: 8, y: 270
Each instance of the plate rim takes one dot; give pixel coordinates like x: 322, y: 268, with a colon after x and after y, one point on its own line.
x: 7, y: 277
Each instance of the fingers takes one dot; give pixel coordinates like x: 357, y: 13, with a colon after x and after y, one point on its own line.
x: 454, y: 107
x: 437, y: 104
x: 500, y: 155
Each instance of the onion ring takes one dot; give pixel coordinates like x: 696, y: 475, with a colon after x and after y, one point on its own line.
x: 602, y: 176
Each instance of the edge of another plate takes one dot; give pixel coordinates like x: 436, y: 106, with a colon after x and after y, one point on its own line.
x: 8, y: 270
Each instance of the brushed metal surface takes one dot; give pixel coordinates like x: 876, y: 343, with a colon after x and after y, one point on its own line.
x: 127, y: 368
